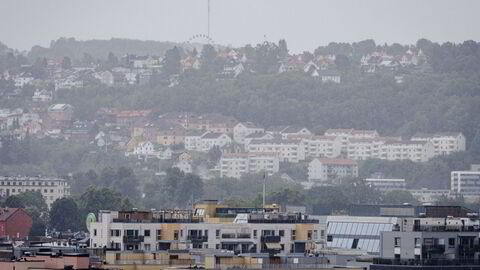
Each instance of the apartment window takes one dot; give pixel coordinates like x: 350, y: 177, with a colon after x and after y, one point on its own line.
x: 294, y: 236
x: 159, y: 235
x: 309, y: 235
x: 281, y: 233
x: 217, y: 234
x: 117, y: 256
x: 255, y: 234
x: 451, y: 242
x: 417, y: 242
x: 147, y: 247
x: 322, y: 233
x: 146, y: 233
x: 115, y: 233
x: 397, y: 241
x: 217, y: 246
x: 94, y: 232
x: 175, y: 235
x: 355, y: 243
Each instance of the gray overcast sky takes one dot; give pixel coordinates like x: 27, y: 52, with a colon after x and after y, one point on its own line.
x: 304, y: 23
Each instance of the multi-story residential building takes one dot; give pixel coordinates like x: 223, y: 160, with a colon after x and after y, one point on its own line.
x: 444, y: 143
x: 346, y: 134
x: 386, y: 184
x: 171, y: 136
x: 416, y: 151
x: 211, y: 139
x: 51, y: 188
x: 325, y: 169
x: 243, y: 129
x: 210, y: 225
x: 237, y: 164
x: 445, y: 238
x: 466, y: 183
x: 365, y: 148
x: 193, y: 138
x: 287, y: 150
x: 323, y: 146
x: 257, y: 136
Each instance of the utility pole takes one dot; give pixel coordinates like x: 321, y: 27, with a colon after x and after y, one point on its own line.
x: 264, y: 186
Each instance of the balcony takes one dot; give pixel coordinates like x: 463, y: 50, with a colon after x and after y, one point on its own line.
x: 133, y: 239
x: 271, y: 239
x: 197, y: 238
x: 435, y: 249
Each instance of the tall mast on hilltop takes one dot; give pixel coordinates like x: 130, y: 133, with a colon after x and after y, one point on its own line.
x: 208, y: 17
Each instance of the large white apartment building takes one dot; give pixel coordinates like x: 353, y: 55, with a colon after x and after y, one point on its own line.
x: 444, y: 143
x: 323, y: 146
x: 51, y: 188
x: 362, y: 149
x: 287, y: 150
x: 237, y: 164
x: 211, y: 226
x: 204, y: 141
x: 325, y: 169
x: 346, y: 134
x: 416, y: 151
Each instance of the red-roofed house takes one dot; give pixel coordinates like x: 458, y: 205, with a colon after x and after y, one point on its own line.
x: 15, y: 223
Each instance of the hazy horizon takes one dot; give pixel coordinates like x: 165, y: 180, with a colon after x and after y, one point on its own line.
x: 305, y: 24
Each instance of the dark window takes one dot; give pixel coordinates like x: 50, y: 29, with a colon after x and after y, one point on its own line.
x: 329, y: 238
x: 355, y: 243
x: 94, y: 232
x: 217, y: 233
x: 397, y: 241
x: 281, y: 233
x: 451, y: 242
x: 146, y: 233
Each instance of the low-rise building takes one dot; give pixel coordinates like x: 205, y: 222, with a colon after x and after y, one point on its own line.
x: 42, y: 96
x: 358, y: 233
x: 15, y: 223
x: 327, y: 170
x: 51, y: 188
x: 243, y: 129
x: 237, y: 164
x: 466, y: 183
x: 211, y: 139
x: 386, y: 184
